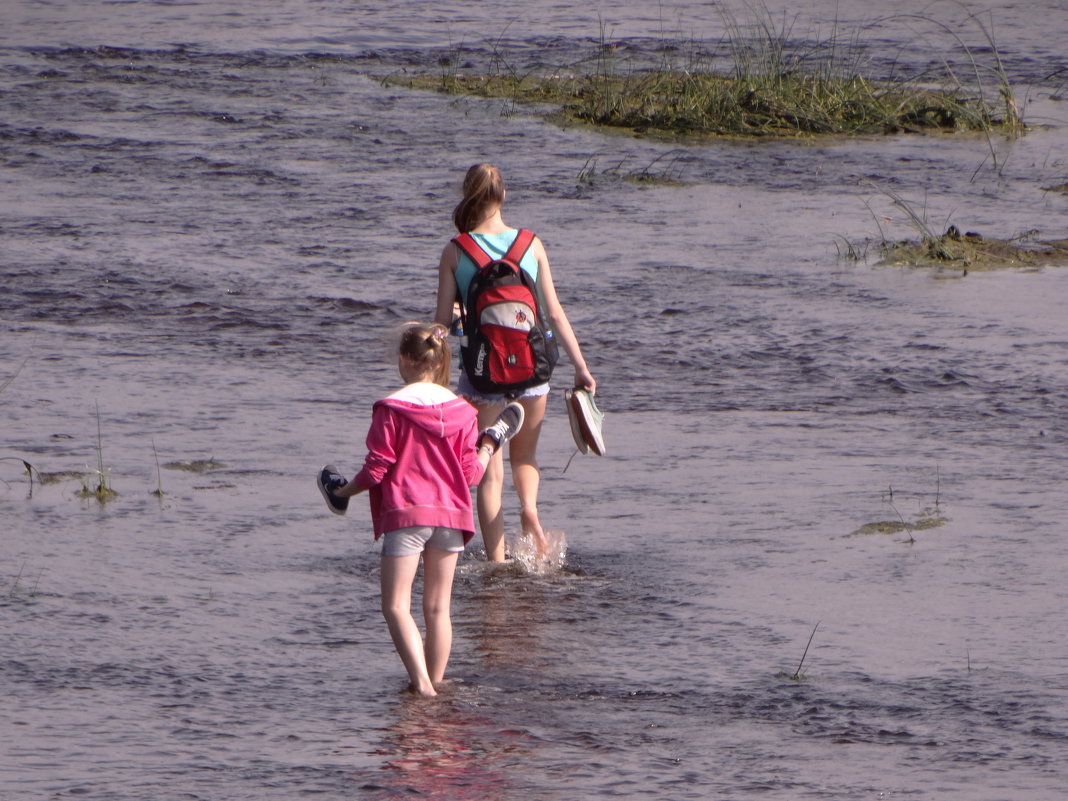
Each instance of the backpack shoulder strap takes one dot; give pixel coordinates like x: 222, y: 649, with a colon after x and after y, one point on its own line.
x: 520, y: 246
x: 469, y: 245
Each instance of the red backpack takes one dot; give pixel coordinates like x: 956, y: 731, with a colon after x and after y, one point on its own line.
x: 506, y: 346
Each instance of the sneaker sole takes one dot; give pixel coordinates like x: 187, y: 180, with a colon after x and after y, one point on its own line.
x: 522, y: 417
x: 326, y: 495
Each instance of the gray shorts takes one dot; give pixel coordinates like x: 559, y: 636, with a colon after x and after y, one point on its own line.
x: 465, y: 390
x: 412, y: 540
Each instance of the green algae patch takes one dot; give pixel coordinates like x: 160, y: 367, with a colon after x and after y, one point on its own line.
x: 973, y: 251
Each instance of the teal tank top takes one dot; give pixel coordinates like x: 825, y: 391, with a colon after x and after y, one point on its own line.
x: 496, y: 245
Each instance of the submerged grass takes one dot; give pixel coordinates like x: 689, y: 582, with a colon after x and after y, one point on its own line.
x: 776, y: 87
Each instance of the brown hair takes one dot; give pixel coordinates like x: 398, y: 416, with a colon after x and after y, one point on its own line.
x: 483, y: 190
x: 426, y: 346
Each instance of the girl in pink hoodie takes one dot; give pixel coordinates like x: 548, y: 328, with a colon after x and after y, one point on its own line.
x: 424, y: 453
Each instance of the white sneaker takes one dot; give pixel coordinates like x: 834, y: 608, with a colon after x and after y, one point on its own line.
x: 586, y: 420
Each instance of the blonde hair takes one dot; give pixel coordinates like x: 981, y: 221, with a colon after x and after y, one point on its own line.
x: 483, y: 191
x: 426, y: 347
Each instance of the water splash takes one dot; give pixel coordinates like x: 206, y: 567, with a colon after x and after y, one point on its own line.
x: 528, y: 560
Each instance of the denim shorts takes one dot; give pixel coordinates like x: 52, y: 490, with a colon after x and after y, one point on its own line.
x: 412, y: 540
x: 465, y: 390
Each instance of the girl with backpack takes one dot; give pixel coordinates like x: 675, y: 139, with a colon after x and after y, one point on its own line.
x: 424, y: 453
x: 478, y: 215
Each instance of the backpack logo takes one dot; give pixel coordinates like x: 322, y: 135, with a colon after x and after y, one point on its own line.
x: 509, y: 346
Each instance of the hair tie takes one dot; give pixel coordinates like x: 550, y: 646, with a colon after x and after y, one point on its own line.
x: 440, y: 333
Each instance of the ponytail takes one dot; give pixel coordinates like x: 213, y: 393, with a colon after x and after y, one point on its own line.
x: 483, y: 191
x: 426, y: 345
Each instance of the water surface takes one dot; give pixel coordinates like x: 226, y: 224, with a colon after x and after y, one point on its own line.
x: 214, y: 214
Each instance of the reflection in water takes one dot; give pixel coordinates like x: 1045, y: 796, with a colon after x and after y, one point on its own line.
x: 466, y: 742
x: 504, y: 618
x: 441, y: 749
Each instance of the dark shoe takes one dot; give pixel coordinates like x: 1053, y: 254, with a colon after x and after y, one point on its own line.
x: 329, y: 480
x: 506, y: 426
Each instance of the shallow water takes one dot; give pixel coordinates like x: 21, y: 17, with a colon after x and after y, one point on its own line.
x: 209, y: 229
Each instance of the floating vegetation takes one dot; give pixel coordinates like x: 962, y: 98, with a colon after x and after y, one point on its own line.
x: 897, y: 526
x: 60, y: 475
x: 776, y: 87
x: 196, y: 465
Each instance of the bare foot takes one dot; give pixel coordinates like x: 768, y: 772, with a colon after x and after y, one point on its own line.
x: 532, y: 526
x: 426, y: 693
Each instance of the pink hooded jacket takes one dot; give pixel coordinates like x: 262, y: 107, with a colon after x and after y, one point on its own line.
x: 422, y: 460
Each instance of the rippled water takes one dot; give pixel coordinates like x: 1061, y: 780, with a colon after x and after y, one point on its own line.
x: 212, y: 217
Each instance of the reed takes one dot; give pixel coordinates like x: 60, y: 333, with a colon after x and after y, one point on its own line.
x: 7, y: 381
x: 663, y: 170
x: 797, y: 675
x: 907, y: 527
x: 15, y: 585
x: 1010, y: 120
x: 29, y: 468
x: 774, y: 88
x: 158, y: 491
x: 96, y: 484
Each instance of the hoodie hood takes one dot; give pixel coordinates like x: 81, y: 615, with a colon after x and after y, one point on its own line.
x: 431, y: 407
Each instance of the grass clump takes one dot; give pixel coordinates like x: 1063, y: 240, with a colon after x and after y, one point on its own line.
x: 965, y: 251
x: 973, y: 251
x: 785, y: 104
x: 775, y: 86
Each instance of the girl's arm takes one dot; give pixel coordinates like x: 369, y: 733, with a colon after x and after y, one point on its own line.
x: 450, y: 257
x: 475, y: 460
x: 381, y: 453
x: 558, y: 318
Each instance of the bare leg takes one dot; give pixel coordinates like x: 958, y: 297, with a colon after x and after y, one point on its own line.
x: 398, y: 575
x: 490, y: 491
x: 522, y: 454
x: 438, y: 569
